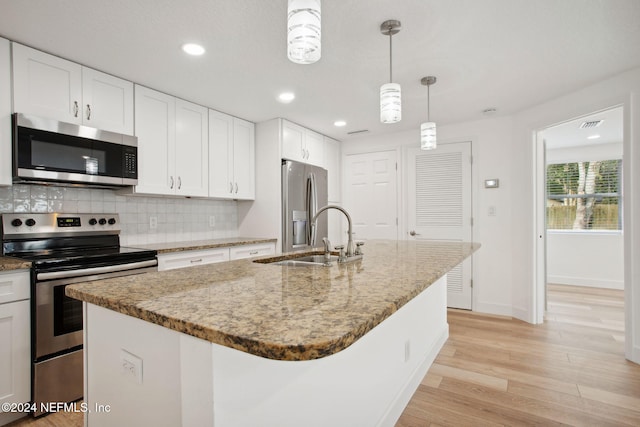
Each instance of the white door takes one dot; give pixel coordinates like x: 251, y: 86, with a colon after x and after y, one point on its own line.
x: 220, y: 154
x: 192, y: 149
x: 371, y: 194
x: 46, y: 86
x: 107, y: 102
x: 439, y: 206
x: 156, y: 131
x: 244, y: 159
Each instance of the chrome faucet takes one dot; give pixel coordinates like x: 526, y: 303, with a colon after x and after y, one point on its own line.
x: 350, y: 245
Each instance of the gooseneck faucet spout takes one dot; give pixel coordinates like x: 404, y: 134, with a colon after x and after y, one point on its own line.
x: 350, y: 245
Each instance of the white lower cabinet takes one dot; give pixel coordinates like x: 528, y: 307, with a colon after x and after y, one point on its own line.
x: 250, y: 251
x: 184, y: 259
x: 15, y: 350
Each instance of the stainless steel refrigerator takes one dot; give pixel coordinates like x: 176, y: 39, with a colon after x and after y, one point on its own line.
x: 304, y: 191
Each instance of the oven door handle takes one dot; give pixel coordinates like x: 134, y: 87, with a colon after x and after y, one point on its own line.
x: 95, y: 270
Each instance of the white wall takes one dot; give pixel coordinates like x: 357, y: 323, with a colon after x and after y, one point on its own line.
x: 593, y: 259
x: 491, y: 145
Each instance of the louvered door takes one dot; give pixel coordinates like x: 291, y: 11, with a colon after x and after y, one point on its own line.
x: 439, y: 206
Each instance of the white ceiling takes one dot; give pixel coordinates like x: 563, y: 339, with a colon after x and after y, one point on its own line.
x: 507, y: 54
x: 569, y: 134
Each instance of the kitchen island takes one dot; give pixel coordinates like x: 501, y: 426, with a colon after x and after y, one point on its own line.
x: 247, y: 343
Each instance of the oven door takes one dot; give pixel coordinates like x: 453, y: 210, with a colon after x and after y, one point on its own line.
x: 58, y: 319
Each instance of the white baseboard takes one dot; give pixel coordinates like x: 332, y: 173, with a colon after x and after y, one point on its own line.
x: 586, y: 281
x: 491, y: 308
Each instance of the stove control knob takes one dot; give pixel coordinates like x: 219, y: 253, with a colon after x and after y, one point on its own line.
x: 93, y: 221
x: 16, y: 222
x: 102, y: 221
x: 112, y: 221
x: 30, y: 222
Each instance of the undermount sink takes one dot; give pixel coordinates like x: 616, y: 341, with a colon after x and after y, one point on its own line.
x: 301, y: 261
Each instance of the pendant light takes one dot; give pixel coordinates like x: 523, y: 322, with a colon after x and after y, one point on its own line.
x: 428, y: 128
x: 303, y: 31
x: 390, y: 96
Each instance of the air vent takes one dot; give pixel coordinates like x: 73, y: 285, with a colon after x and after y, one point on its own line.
x: 355, y: 132
x: 591, y: 124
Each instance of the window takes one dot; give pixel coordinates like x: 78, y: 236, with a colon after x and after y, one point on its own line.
x: 584, y: 195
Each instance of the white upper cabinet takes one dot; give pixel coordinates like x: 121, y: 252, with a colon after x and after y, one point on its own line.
x: 332, y: 165
x: 156, y: 132
x: 5, y: 112
x: 48, y: 86
x: 172, y: 145
x: 231, y: 157
x: 301, y: 144
x: 192, y: 149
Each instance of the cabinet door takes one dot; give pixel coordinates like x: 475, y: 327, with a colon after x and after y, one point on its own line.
x: 155, y: 128
x: 250, y: 251
x: 46, y: 86
x: 244, y: 168
x: 220, y: 155
x: 15, y: 352
x: 314, y: 148
x: 293, y: 142
x: 185, y: 259
x: 107, y: 102
x: 192, y: 149
x: 5, y: 113
x: 332, y: 164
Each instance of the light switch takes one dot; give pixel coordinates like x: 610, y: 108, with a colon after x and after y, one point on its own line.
x: 492, y: 183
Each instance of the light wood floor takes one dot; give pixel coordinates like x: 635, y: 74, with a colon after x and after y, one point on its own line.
x: 496, y: 371
x: 569, y: 371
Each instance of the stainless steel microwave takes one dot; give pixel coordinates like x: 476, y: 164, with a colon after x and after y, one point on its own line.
x: 49, y: 150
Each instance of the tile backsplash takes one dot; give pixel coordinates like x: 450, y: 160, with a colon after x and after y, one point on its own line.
x: 178, y: 219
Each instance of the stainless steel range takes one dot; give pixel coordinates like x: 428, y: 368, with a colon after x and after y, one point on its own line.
x: 65, y: 249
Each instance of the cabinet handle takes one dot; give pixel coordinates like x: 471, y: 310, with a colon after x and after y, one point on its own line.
x: 171, y: 187
x: 75, y: 108
x: 253, y: 253
x: 231, y: 187
x: 88, y: 112
x: 179, y: 183
x: 193, y: 261
x: 236, y: 188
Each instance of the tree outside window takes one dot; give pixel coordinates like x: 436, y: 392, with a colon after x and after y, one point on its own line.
x: 584, y: 195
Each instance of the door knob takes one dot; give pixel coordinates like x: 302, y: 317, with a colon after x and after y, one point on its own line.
x: 413, y: 233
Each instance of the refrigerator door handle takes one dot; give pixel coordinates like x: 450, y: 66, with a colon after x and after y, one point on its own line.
x: 312, y: 207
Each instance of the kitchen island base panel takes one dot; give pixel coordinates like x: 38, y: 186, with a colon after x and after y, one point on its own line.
x: 198, y: 383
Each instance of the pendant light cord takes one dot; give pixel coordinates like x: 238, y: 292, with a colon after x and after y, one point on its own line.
x: 390, y: 57
x: 428, y: 104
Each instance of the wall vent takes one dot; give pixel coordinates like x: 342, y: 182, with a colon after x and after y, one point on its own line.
x: 591, y: 124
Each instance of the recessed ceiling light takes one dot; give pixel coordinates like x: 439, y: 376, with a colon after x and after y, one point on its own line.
x: 593, y: 137
x: 193, y: 49
x: 286, y: 97
x: 340, y: 123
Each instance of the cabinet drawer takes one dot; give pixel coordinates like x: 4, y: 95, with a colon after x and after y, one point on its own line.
x: 249, y: 251
x: 14, y: 286
x: 191, y: 258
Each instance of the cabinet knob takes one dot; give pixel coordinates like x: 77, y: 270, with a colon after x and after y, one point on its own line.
x: 75, y: 108
x: 88, y: 112
x: 236, y: 188
x: 171, y: 181
x: 179, y: 183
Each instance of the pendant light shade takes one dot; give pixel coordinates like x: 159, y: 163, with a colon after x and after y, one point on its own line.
x: 303, y: 31
x: 428, y: 129
x: 390, y: 93
x: 390, y: 103
x: 428, y: 136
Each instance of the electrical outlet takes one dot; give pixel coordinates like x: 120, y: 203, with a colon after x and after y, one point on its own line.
x: 491, y: 211
x: 153, y: 222
x: 131, y: 366
x: 212, y: 221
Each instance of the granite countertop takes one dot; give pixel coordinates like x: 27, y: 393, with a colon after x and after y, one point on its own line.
x: 193, y: 245
x: 280, y: 312
x: 9, y: 263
